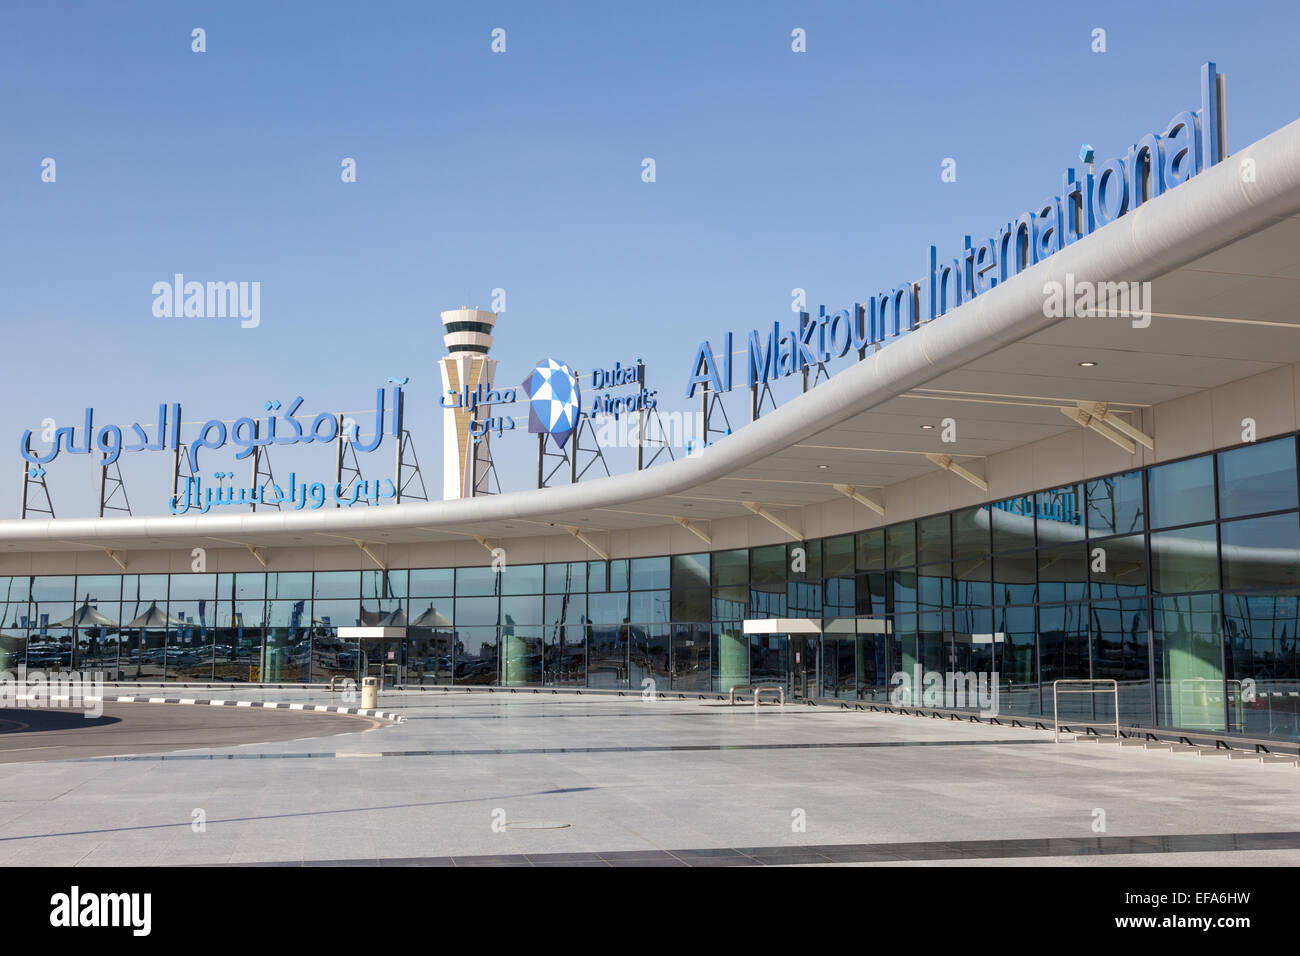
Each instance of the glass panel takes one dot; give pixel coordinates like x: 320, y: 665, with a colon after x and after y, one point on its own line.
x: 900, y: 545
x: 970, y: 533
x: 286, y: 652
x: 334, y: 613
x: 690, y: 604
x: 690, y: 657
x: 334, y: 584
x: 293, y: 584
x: 1014, y: 577
x: 1257, y: 478
x: 1063, y: 572
x: 649, y: 655
x: 731, y: 567
x: 521, y: 579
x: 810, y: 562
x: 1013, y: 523
x: 768, y: 658
x: 730, y: 655
x: 730, y: 603
x: 1189, y: 672
x: 871, y: 594
x: 382, y: 585
x: 59, y: 588
x: 690, y: 570
x: 1119, y: 651
x: 432, y: 582
x: 1261, y: 552
x: 477, y: 581
x: 476, y: 612
x: 566, y: 578
x: 96, y: 588
x: 871, y: 550
x: 1115, y: 505
x: 1182, y: 492
x: 1120, y: 569
x: 476, y: 656
x: 650, y: 607
x: 1063, y: 654
x: 767, y: 566
x: 607, y: 653
x: 971, y: 582
x: 521, y: 654
x: 838, y: 557
x: 618, y: 575
x: 1017, y: 657
x: 193, y: 587
x: 1060, y: 515
x: 565, y: 651
x: 933, y: 543
x: 1263, y: 668
x: 190, y: 639
x: 520, y: 610
x: 649, y: 574
x: 1185, y: 560
x: 597, y: 576
x: 610, y: 610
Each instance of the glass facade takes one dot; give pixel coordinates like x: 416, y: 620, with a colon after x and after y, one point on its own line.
x: 1180, y: 581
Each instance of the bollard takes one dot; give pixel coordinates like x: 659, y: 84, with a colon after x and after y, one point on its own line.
x: 369, y: 693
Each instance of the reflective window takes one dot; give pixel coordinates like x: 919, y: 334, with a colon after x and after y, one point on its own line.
x: 1257, y: 478
x: 731, y: 567
x: 1013, y: 523
x: 433, y: 582
x: 871, y: 550
x: 1118, y: 566
x: 1182, y: 492
x: 1184, y: 560
x: 649, y: 574
x: 1115, y: 505
x: 900, y: 545
x: 478, y: 581
x: 970, y: 533
x: 521, y: 579
x: 1261, y: 552
x: 933, y: 541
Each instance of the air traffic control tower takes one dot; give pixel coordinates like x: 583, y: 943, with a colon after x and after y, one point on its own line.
x: 468, y: 336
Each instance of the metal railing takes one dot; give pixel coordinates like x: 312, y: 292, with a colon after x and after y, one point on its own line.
x: 1112, y: 689
x: 758, y: 690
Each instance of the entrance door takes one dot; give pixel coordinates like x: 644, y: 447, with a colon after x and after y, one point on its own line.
x: 385, y: 659
x: 805, y: 677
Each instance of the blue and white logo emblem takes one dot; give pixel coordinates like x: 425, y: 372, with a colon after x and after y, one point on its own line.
x: 554, y: 400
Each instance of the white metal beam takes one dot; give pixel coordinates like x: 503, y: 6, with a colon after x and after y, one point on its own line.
x: 257, y: 554
x: 947, y: 464
x: 1096, y: 424
x: 1102, y: 410
x: 577, y: 533
x: 685, y: 523
x: 848, y: 491
x: 121, y: 564
x: 371, y: 555
x: 759, y: 510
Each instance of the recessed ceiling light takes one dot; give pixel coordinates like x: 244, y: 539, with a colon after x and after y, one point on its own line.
x: 823, y: 467
x: 927, y: 427
x: 1087, y: 364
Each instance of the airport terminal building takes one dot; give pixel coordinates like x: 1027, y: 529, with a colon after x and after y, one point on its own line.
x: 1009, y: 471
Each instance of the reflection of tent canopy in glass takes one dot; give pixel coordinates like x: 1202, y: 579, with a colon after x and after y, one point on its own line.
x: 87, y: 616
x: 153, y: 618
x: 432, y: 618
x: 383, y: 618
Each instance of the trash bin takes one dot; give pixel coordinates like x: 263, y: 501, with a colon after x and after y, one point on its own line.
x: 369, y: 693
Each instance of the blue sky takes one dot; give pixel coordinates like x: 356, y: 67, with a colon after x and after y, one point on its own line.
x: 522, y: 171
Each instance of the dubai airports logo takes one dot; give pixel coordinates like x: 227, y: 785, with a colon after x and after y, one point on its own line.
x: 554, y: 400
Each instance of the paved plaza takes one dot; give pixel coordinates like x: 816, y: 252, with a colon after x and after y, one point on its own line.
x: 536, y: 779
